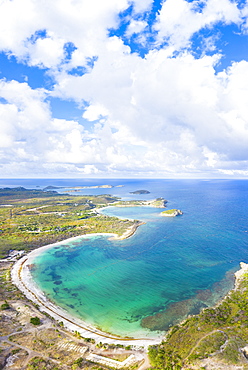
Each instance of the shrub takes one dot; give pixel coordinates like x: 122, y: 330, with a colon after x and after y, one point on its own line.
x: 35, y: 320
x: 5, y: 306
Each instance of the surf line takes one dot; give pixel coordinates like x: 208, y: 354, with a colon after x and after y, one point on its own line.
x: 49, y: 309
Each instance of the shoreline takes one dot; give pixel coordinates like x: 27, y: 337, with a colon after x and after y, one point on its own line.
x: 21, y: 277
x: 129, y: 232
x: 239, y: 274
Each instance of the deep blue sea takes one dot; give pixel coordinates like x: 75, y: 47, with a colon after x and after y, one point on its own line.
x: 170, y: 268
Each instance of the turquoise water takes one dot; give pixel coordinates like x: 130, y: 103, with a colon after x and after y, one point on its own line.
x: 170, y: 268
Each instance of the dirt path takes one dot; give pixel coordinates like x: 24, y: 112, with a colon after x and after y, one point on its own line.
x: 204, y: 337
x: 146, y: 364
x: 31, y: 353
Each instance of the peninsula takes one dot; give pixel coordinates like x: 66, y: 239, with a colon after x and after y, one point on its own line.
x: 156, y: 203
x: 216, y: 338
x: 32, y: 218
x: 73, y: 189
x: 78, y: 188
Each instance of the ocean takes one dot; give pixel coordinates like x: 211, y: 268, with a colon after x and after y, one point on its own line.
x: 170, y: 268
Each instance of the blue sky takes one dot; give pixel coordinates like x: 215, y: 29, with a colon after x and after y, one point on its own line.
x: 121, y: 88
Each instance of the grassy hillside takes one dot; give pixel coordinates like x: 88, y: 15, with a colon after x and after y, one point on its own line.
x: 218, y: 335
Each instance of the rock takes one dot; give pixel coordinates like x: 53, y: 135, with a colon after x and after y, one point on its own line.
x: 171, y: 213
x: 243, y: 270
x: 245, y: 351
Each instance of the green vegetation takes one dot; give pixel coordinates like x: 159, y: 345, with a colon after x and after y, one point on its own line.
x: 79, y: 361
x: 32, y: 218
x: 160, y: 359
x: 220, y: 332
x: 89, y: 340
x: 169, y: 211
x: 208, y: 345
x: 8, y: 291
x: 5, y: 306
x: 39, y: 363
x: 231, y: 353
x: 35, y: 320
x: 157, y: 203
x: 15, y: 351
x: 77, y: 334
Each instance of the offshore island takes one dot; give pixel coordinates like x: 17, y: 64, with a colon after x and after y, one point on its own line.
x: 214, y: 339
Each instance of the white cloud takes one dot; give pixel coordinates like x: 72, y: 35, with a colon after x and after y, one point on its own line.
x: 141, y: 6
x: 179, y: 20
x: 159, y: 114
x: 94, y: 112
x: 244, y: 14
x: 7, y: 119
x: 18, y: 21
x: 183, y: 116
x: 135, y: 27
x: 81, y: 22
x: 28, y: 130
x: 47, y: 52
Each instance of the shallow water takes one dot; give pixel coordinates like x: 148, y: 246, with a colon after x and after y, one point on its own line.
x: 170, y: 268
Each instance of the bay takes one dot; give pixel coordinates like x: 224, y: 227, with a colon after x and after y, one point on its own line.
x: 170, y: 268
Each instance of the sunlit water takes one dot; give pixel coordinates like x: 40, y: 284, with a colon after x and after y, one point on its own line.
x: 170, y: 268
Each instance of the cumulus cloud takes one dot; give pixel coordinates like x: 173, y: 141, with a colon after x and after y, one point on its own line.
x: 142, y: 5
x: 94, y: 112
x: 29, y: 133
x: 165, y: 114
x: 179, y: 20
x: 135, y: 27
x: 46, y: 52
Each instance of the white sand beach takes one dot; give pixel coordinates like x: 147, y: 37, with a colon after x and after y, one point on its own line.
x: 22, y: 278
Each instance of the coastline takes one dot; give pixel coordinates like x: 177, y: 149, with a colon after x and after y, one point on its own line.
x: 239, y: 274
x: 154, y: 203
x: 238, y: 277
x: 183, y: 333
x: 21, y: 277
x: 129, y: 232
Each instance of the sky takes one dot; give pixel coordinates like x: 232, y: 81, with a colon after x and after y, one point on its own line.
x: 124, y: 89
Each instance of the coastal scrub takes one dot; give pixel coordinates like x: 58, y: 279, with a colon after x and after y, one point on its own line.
x: 31, y: 218
x: 219, y: 333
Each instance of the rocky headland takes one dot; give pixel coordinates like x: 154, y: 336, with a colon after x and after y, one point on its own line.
x: 171, y: 213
